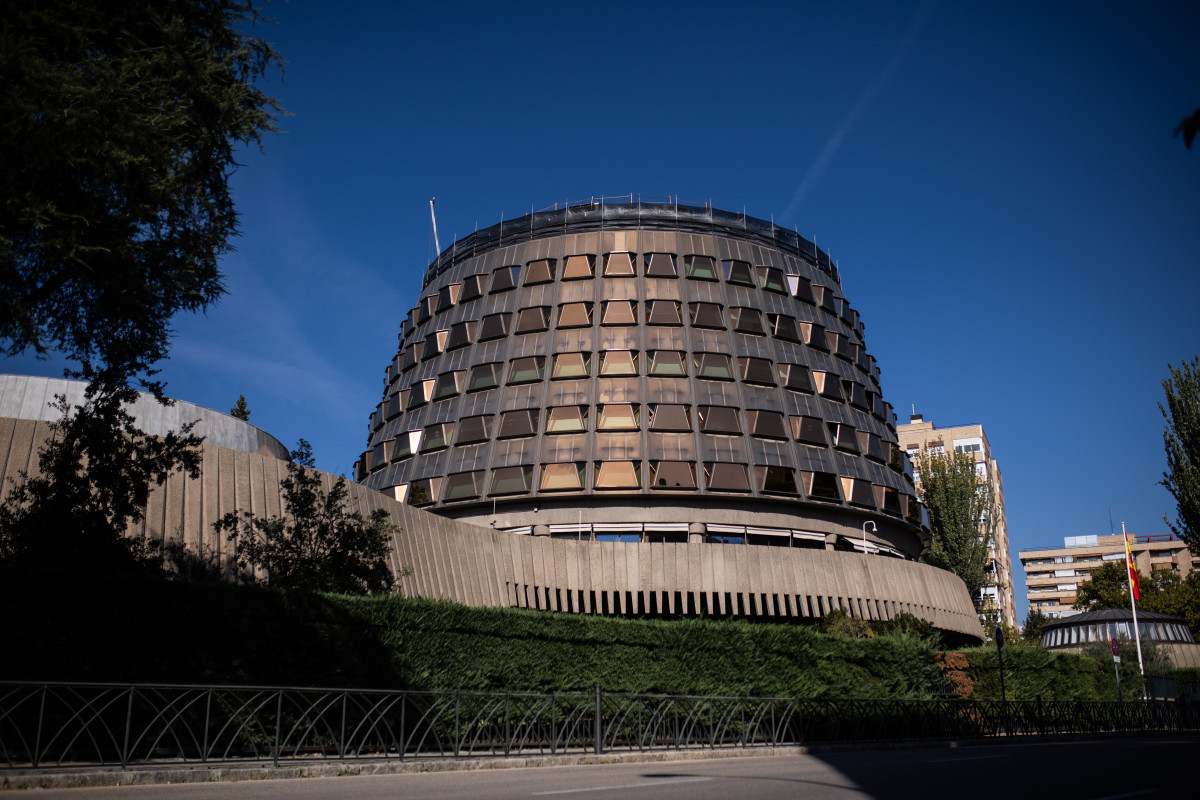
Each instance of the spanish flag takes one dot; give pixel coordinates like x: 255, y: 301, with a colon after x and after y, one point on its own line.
x: 1133, y: 573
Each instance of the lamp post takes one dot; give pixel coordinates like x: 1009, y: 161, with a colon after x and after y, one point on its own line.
x: 998, y: 635
x: 874, y: 529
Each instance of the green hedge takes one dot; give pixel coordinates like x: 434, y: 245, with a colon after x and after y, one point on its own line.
x: 440, y: 645
x: 1031, y: 673
x: 101, y: 627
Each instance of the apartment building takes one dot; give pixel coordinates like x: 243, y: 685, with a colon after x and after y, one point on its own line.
x: 917, y: 434
x: 1053, y: 574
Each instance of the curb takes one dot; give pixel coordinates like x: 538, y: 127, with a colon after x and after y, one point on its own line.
x: 91, y: 776
x: 87, y: 777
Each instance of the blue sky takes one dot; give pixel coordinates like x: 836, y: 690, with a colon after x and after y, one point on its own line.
x: 998, y: 183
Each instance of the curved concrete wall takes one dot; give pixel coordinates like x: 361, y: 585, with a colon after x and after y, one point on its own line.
x: 481, y: 567
x: 31, y: 398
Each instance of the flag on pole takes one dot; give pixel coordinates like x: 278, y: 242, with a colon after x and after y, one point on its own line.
x: 1134, y: 584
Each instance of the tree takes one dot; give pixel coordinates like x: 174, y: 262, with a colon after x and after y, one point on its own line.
x: 121, y: 121
x: 1107, y: 588
x: 240, y: 410
x: 1181, y: 438
x: 961, y: 515
x: 1188, y: 128
x: 1031, y: 632
x: 1180, y: 597
x: 320, y: 546
x: 92, y: 484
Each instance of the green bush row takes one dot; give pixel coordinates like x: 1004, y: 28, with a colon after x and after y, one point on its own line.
x: 103, y: 627
x: 1031, y: 673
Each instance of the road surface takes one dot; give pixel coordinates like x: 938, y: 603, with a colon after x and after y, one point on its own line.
x: 1112, y: 769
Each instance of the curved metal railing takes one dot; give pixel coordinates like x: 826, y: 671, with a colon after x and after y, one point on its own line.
x: 60, y: 724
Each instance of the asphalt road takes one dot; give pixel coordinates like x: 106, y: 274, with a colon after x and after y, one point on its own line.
x: 1097, y: 770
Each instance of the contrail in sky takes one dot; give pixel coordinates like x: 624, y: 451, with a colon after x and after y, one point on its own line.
x: 823, y: 159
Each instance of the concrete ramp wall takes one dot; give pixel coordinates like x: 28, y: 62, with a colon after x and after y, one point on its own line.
x: 481, y: 567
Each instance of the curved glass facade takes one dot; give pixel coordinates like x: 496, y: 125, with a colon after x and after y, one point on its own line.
x: 638, y: 372
x: 1084, y: 628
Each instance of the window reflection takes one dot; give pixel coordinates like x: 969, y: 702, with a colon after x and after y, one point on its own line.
x: 571, y: 365
x: 672, y: 475
x: 701, y: 268
x: 618, y: 417
x: 618, y: 265
x: 580, y: 266
x: 618, y: 475
x: 660, y: 265
x: 561, y: 477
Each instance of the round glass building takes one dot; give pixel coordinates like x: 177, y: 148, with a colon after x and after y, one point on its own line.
x: 643, y: 372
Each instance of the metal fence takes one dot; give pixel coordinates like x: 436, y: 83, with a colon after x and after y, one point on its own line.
x: 57, y: 724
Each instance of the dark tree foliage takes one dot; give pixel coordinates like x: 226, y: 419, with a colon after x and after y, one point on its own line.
x: 1188, y: 128
x: 91, y: 485
x: 1181, y: 438
x: 1031, y: 632
x: 240, y: 409
x: 120, y: 124
x: 961, y: 516
x: 320, y: 546
x: 1108, y: 587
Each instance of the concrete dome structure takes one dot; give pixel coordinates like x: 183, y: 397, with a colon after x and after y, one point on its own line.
x: 644, y: 372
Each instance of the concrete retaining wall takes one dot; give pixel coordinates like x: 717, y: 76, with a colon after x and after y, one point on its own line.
x: 481, y: 567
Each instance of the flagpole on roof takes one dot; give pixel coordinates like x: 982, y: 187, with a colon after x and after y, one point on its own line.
x: 1135, y: 594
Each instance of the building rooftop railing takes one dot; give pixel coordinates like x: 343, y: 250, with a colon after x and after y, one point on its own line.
x: 1154, y: 538
x: 626, y: 212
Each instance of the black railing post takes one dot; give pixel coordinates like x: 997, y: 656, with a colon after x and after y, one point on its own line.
x: 599, y: 727
x: 37, y: 740
x: 553, y: 726
x: 128, y: 724
x: 457, y: 737
x: 675, y: 714
x: 207, y: 716
x: 998, y: 634
x: 507, y: 724
x: 278, y: 727
x: 402, y: 745
x: 342, y: 738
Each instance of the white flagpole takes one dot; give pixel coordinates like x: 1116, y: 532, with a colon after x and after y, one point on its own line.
x: 1129, y: 568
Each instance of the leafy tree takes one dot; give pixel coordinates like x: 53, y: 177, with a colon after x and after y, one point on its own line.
x: 1031, y: 632
x: 1180, y: 597
x: 240, y: 409
x: 1108, y: 588
x: 121, y: 121
x: 320, y: 546
x: 91, y: 485
x: 1181, y: 438
x: 838, y: 621
x: 904, y: 622
x: 961, y: 515
x: 1188, y: 128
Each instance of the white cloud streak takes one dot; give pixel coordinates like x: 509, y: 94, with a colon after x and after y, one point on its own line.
x: 825, y: 157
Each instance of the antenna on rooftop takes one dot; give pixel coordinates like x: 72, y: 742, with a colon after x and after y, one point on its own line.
x: 433, y: 216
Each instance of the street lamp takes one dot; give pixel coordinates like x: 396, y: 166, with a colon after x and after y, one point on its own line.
x: 874, y: 529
